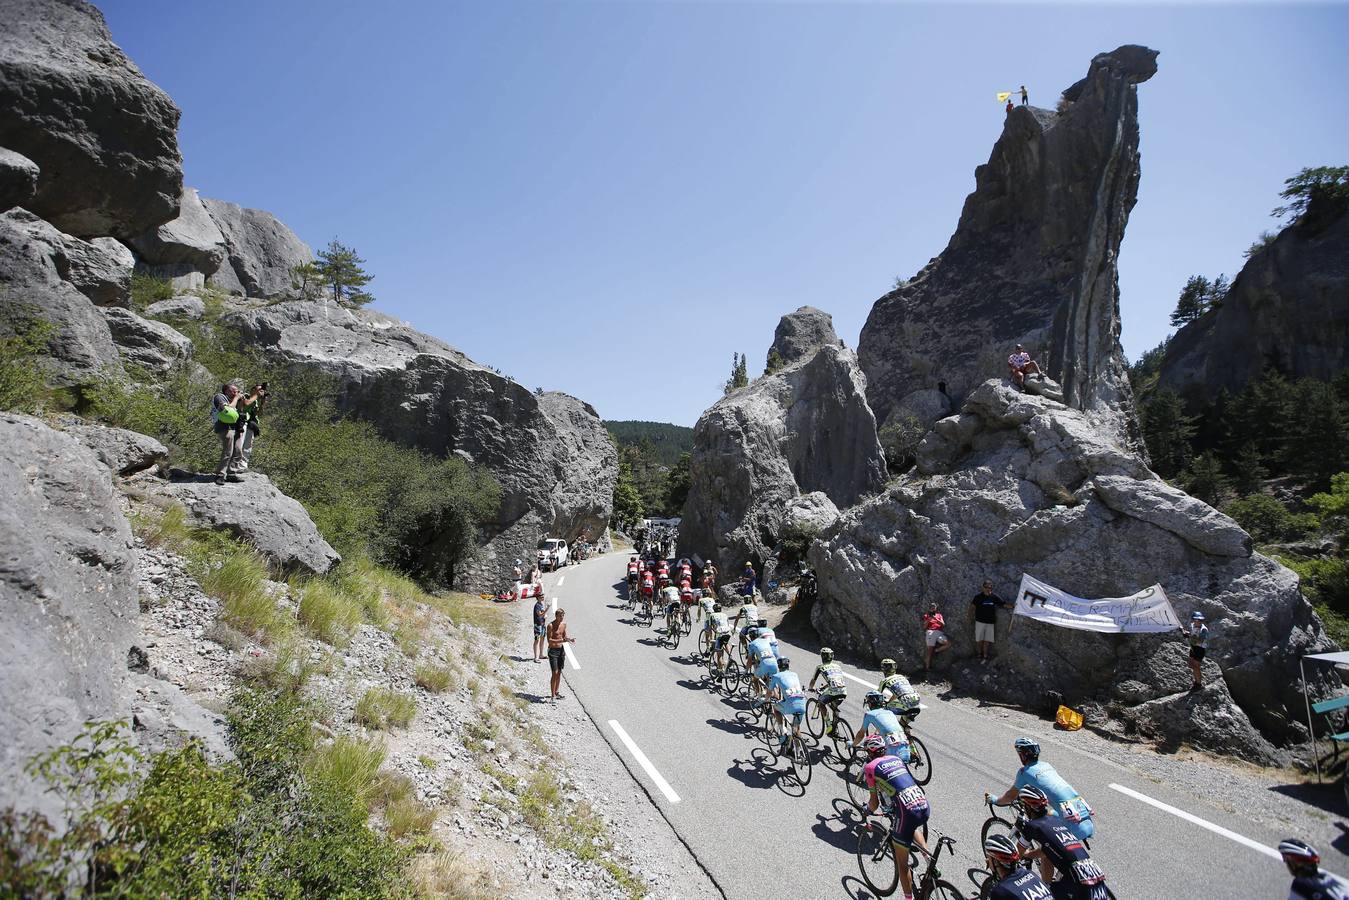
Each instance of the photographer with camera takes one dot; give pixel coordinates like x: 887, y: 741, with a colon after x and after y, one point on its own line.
x: 249, y: 408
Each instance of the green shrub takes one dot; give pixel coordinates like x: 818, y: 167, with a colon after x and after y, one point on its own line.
x: 407, y: 817
x: 433, y: 678
x: 237, y: 578
x: 349, y: 766
x: 327, y: 613
x: 23, y: 386
x: 1269, y: 521
x: 382, y: 708
x: 1325, y: 581
x: 146, y: 289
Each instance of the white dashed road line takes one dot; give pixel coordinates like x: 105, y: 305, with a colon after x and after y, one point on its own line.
x: 860, y: 681
x: 571, y: 657
x: 1202, y: 823
x: 560, y: 579
x: 661, y: 784
x: 554, y: 609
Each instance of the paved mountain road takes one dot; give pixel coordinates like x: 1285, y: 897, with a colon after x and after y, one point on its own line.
x: 757, y: 831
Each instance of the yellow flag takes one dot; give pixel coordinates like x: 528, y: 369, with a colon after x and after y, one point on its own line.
x: 1003, y: 95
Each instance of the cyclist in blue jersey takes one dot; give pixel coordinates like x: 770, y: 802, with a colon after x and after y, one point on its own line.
x: 1009, y: 881
x: 789, y: 699
x: 763, y: 662
x: 766, y: 632
x: 881, y: 722
x: 1309, y: 882
x: 1048, y: 838
x: 905, y: 801
x: 1064, y: 801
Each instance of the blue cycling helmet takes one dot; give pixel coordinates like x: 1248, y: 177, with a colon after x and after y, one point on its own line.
x: 1027, y: 748
x: 784, y: 663
x: 1299, y: 855
x: 873, y: 699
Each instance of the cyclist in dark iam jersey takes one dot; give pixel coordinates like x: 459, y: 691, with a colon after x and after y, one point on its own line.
x: 1009, y: 880
x: 1309, y: 882
x: 1051, y: 840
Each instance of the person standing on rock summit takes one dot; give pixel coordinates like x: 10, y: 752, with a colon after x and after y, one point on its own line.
x: 1025, y: 97
x: 225, y: 416
x: 986, y: 605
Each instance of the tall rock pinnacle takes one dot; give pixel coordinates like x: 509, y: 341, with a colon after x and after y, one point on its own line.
x: 1032, y: 260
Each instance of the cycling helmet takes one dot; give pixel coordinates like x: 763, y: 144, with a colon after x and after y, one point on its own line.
x: 763, y: 623
x: 752, y: 634
x: 1298, y: 854
x: 826, y: 655
x: 999, y: 847
x: 888, y: 666
x: 716, y: 607
x: 784, y: 663
x: 1027, y: 747
x: 874, y: 746
x: 1033, y: 800
x: 873, y: 700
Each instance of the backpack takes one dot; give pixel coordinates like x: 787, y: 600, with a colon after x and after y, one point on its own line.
x: 227, y: 415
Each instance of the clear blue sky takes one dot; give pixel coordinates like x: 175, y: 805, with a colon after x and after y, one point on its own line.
x: 611, y: 198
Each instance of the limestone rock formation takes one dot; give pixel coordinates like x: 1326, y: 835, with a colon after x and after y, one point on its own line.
x: 261, y: 251
x: 123, y: 452
x: 1288, y: 309
x: 254, y: 510
x: 145, y: 342
x: 802, y: 333
x: 67, y: 598
x: 1017, y: 484
x: 103, y: 136
x: 420, y: 391
x: 18, y: 179
x: 100, y: 269
x: 183, y: 307
x: 1032, y: 260
x: 185, y: 250
x: 37, y: 265
x: 802, y: 429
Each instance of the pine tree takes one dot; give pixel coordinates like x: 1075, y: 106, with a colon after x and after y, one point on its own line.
x: 306, y: 280
x: 1319, y: 445
x: 1193, y: 300
x: 677, y: 482
x: 775, y: 361
x: 341, y: 270
x: 1167, y: 432
x: 1247, y: 471
x: 1205, y: 479
x: 739, y: 374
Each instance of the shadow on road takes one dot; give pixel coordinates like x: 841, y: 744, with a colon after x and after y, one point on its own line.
x: 1328, y: 796
x: 856, y: 888
x: 754, y: 772
x: 729, y: 727
x: 839, y: 830
x: 531, y: 698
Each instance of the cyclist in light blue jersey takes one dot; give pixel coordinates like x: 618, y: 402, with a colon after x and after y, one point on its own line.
x: 763, y: 662
x: 1064, y: 802
x: 789, y: 699
x: 882, y: 722
x: 766, y: 632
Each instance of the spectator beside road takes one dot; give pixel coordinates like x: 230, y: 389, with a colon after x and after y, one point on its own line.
x: 748, y: 580
x: 934, y: 635
x: 557, y: 641
x: 986, y: 605
x: 1198, y: 635
x: 540, y: 626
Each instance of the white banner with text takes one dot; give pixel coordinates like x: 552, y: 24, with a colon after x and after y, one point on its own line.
x: 1146, y: 612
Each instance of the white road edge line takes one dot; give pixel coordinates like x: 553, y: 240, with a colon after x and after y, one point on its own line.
x: 554, y: 609
x: 1202, y: 823
x: 571, y: 657
x: 859, y: 680
x: 637, y: 754
x: 561, y: 578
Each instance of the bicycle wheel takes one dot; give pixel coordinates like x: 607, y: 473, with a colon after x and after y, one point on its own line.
x: 704, y: 644
x: 800, y: 757
x: 815, y: 718
x: 876, y: 858
x: 673, y: 634
x: 982, y: 879
x: 730, y: 677
x: 920, y: 763
x: 858, y: 792
x: 945, y: 890
x: 994, y: 825
x: 843, y: 738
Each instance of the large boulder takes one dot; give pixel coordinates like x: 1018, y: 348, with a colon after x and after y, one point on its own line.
x: 185, y: 250
x: 145, y: 342
x: 261, y: 251
x: 254, y: 510
x: 1019, y: 484
x: 123, y: 452
x: 1288, y: 310
x: 422, y: 392
x: 18, y: 179
x: 805, y: 428
x: 1032, y: 260
x: 67, y: 600
x: 41, y: 271
x: 105, y: 138
x: 801, y: 333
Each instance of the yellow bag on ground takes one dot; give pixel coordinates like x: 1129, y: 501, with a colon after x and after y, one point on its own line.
x: 1068, y: 719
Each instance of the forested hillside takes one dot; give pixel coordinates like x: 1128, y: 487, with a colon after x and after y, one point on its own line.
x: 667, y: 441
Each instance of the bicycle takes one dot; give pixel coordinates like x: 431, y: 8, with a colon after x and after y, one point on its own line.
x: 646, y: 612
x: 1011, y: 827
x: 797, y: 752
x: 876, y: 859
x: 920, y: 761
x: 823, y: 719
x: 673, y: 631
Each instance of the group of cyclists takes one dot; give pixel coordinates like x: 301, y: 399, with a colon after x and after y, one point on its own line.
x: 1044, y: 853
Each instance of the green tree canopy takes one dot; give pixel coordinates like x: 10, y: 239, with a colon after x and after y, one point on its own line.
x: 342, y: 273
x: 1322, y: 191
x: 1197, y: 297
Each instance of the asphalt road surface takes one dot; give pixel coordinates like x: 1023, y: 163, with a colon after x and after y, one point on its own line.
x: 757, y: 831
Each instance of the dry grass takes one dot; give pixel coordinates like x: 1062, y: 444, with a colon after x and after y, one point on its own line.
x: 327, y: 612
x: 349, y: 765
x: 436, y: 679
x: 452, y: 876
x: 237, y: 579
x: 471, y: 610
x: 382, y: 708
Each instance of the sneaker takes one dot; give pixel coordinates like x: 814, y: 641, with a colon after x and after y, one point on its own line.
x: 220, y: 479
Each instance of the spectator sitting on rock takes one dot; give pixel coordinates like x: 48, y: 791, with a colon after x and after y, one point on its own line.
x: 934, y: 635
x: 1022, y: 365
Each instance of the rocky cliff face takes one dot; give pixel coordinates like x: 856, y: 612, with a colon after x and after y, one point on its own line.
x: 1017, y: 484
x: 104, y: 139
x: 805, y: 428
x: 1288, y: 309
x: 261, y: 251
x: 550, y: 453
x: 1032, y: 260
x: 185, y: 250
